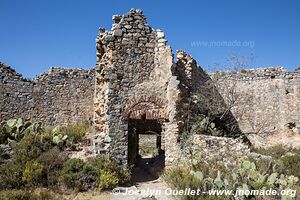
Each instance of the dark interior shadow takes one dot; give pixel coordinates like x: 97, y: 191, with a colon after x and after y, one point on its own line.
x: 148, y: 169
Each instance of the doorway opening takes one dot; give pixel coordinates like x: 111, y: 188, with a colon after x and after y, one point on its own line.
x: 145, y: 149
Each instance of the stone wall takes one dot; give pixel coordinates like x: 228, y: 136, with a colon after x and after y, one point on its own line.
x: 58, y: 96
x: 267, y: 100
x: 199, y: 95
x: 218, y: 149
x: 133, y: 79
x: 137, y: 80
x: 15, y: 94
x: 63, y: 96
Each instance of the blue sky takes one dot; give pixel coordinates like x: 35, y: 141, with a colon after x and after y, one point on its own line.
x: 36, y: 34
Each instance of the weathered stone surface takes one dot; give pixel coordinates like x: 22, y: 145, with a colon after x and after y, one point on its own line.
x: 58, y: 96
x: 160, y: 35
x: 140, y: 76
x: 219, y: 149
x: 118, y: 32
x: 267, y: 99
x: 128, y: 26
x: 109, y: 38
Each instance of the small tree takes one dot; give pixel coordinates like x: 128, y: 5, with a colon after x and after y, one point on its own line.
x: 237, y: 99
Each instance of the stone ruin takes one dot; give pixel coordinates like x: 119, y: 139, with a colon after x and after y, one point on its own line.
x: 139, y: 88
x: 58, y: 96
x: 267, y: 104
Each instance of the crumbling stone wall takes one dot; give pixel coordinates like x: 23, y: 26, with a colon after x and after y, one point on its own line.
x: 15, y: 94
x: 267, y: 100
x: 59, y: 96
x: 199, y: 95
x: 133, y: 76
x: 136, y: 78
x: 63, y: 96
x: 218, y: 149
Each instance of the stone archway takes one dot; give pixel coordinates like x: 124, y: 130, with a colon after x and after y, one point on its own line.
x: 145, y: 115
x: 150, y: 106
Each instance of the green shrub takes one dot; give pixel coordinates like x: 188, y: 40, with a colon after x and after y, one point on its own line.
x: 26, y: 150
x: 3, y: 134
x: 182, y: 178
x: 32, y: 174
x: 11, y: 172
x: 52, y: 162
x: 106, y: 167
x: 109, y: 173
x: 245, y: 175
x: 1, y: 155
x: 108, y: 180
x: 15, y: 195
x: 78, y: 175
x: 276, y: 151
x: 45, y: 194
x: 284, y: 159
x: 71, y: 172
x: 11, y: 175
x: 37, y: 194
x: 145, y: 150
x: 35, y: 162
x: 178, y: 177
x: 6, y: 153
x: 100, y: 172
x: 44, y: 140
x: 104, y: 163
x: 75, y: 132
x: 68, y: 135
x: 88, y: 178
x: 291, y: 164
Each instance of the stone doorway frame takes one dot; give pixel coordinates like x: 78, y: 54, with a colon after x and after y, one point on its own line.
x: 145, y: 107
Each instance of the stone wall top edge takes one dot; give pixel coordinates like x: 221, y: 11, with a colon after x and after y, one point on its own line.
x: 7, y: 70
x: 258, y: 73
x: 129, y: 16
x: 69, y: 72
x: 122, y: 22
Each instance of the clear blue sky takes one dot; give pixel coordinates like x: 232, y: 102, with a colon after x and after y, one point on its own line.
x: 38, y: 34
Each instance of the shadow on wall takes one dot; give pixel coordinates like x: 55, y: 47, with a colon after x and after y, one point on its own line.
x: 203, y: 107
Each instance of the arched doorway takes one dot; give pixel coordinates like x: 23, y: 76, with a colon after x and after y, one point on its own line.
x: 145, y: 117
x: 138, y: 127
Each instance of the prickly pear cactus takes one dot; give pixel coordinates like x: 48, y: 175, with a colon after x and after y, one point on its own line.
x: 58, y: 137
x: 204, y: 125
x: 15, y: 129
x: 218, y: 181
